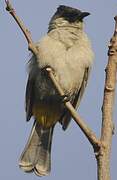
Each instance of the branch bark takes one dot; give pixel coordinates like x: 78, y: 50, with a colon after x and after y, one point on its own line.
x: 102, y: 147
x: 103, y: 160
x: 25, y: 31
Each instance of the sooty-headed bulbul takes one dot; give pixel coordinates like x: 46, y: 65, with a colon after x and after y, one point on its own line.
x: 67, y: 50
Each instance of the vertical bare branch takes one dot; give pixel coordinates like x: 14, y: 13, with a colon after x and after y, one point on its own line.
x: 107, y: 110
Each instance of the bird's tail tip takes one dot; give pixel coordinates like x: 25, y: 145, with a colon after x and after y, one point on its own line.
x: 26, y: 167
x: 40, y: 171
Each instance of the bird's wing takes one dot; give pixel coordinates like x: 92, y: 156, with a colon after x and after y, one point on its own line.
x: 29, y: 97
x: 76, y: 100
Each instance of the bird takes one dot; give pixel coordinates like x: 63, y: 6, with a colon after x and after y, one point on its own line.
x: 67, y: 50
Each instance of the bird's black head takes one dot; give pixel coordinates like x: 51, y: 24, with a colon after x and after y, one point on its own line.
x: 70, y: 14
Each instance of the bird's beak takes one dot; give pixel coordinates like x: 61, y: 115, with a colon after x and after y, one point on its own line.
x: 83, y: 14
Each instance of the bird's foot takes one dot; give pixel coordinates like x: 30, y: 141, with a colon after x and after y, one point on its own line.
x: 65, y: 98
x: 47, y: 69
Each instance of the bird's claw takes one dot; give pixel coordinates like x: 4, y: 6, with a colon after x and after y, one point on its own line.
x: 65, y: 98
x: 47, y: 69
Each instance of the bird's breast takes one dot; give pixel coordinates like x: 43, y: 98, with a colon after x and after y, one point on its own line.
x: 68, y: 64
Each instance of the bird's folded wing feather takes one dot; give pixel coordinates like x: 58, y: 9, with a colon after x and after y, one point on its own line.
x: 76, y: 100
x: 29, y: 97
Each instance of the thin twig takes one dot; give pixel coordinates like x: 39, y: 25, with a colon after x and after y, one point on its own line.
x: 84, y: 127
x: 25, y: 31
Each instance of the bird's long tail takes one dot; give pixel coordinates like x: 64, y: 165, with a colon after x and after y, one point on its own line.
x: 37, y: 153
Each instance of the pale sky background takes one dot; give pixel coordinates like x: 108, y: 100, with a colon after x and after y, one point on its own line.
x: 72, y: 155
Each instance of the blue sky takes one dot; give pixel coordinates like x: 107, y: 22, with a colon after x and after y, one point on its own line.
x: 72, y: 155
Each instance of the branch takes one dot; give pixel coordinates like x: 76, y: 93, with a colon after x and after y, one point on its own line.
x: 25, y: 31
x: 83, y: 126
x: 107, y: 110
